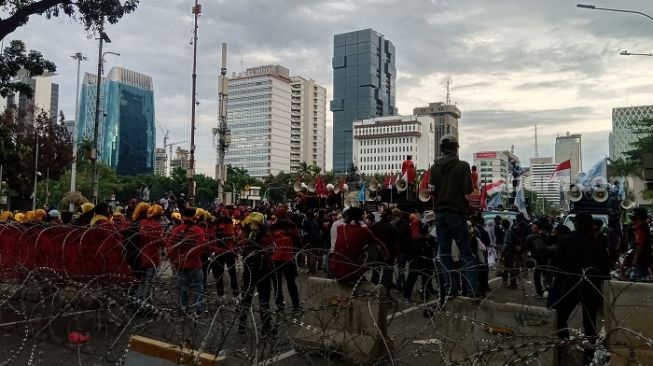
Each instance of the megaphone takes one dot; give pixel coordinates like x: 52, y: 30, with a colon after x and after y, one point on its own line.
x: 297, y: 187
x: 424, y: 195
x: 627, y: 204
x: 600, y: 194
x: 374, y: 185
x: 401, y: 184
x: 311, y: 187
x: 576, y: 192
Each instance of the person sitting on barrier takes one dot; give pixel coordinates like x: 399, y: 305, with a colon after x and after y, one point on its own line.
x: 185, y: 245
x: 257, y: 271
x: 151, y: 243
x: 356, y: 248
x: 285, y: 238
x: 584, y: 264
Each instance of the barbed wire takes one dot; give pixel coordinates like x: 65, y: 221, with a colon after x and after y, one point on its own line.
x: 69, y: 295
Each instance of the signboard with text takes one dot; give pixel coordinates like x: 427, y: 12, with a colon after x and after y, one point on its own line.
x: 486, y: 155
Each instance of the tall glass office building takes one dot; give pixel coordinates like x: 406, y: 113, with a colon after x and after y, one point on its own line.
x: 127, y: 135
x: 364, y: 78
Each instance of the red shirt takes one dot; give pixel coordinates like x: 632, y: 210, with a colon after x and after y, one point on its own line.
x: 408, y: 168
x: 185, y: 245
x: 351, y: 240
x: 643, y: 240
x: 151, y: 242
x: 284, y: 235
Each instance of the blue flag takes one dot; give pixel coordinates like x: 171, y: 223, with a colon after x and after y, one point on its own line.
x: 361, y: 194
x: 495, y: 201
x: 520, y: 201
x: 598, y: 170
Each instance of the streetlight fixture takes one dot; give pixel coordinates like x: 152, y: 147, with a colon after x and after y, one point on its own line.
x: 594, y: 7
x: 626, y: 53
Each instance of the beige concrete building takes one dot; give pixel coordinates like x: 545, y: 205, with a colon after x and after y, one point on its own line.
x: 540, y: 172
x: 308, y: 123
x: 446, y: 118
x: 381, y: 144
x: 160, y: 162
x: 181, y: 160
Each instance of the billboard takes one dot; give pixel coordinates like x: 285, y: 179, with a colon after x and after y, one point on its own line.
x: 485, y: 155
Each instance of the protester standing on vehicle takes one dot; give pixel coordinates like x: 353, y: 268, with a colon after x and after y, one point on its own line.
x: 450, y: 181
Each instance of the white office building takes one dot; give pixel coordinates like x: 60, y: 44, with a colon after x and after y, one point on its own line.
x: 540, y: 172
x: 308, y: 123
x: 45, y: 96
x: 380, y: 145
x: 493, y: 166
x: 568, y: 147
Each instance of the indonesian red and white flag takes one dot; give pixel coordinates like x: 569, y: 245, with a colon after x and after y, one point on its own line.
x: 562, y: 170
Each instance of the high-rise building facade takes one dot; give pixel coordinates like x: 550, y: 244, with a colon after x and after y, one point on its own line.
x: 446, y: 118
x: 259, y: 118
x: 623, y: 131
x: 126, y: 134
x: 364, y: 83
x: 381, y: 144
x: 308, y: 123
x: 181, y: 160
x: 539, y: 175
x: 45, y: 96
x: 160, y: 162
x: 568, y: 147
x: 494, y: 166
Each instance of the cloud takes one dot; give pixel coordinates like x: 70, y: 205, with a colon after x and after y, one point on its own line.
x: 512, y: 63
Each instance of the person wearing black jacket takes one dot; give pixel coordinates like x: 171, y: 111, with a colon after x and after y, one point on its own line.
x: 389, y: 235
x: 584, y: 264
x: 536, y: 243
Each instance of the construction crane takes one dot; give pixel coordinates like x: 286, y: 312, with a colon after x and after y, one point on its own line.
x: 166, y: 145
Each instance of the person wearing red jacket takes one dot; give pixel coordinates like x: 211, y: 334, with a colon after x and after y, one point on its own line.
x: 221, y: 248
x: 151, y: 242
x: 285, y: 237
x: 185, y: 246
x: 355, y: 248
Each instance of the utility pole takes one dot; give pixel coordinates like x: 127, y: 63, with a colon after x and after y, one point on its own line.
x: 73, y: 172
x: 224, y: 136
x: 196, y: 10
x: 100, y: 64
x: 36, y: 163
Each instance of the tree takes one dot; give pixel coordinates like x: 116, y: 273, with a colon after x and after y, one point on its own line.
x: 238, y: 178
x: 643, y: 129
x: 18, y: 136
x: 624, y: 168
x: 16, y: 62
x: 88, y: 12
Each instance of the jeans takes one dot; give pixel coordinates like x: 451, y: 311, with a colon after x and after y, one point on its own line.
x: 453, y: 226
x: 189, y: 285
x: 144, y: 291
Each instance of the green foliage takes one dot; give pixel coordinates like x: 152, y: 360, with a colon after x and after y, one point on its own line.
x: 644, y: 144
x: 624, y: 168
x: 18, y: 139
x: 238, y: 178
x: 16, y: 62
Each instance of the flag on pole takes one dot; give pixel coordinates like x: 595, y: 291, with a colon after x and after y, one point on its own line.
x: 484, y: 198
x: 562, y: 170
x: 598, y: 170
x: 520, y: 201
x: 361, y: 194
x: 424, y: 182
x: 495, y: 201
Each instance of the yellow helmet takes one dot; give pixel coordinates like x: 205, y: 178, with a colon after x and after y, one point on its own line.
x: 87, y: 207
x: 19, y: 217
x: 154, y: 210
x: 141, y: 208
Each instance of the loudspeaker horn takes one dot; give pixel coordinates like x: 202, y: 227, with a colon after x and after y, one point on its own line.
x: 374, y: 185
x: 628, y: 204
x: 600, y: 194
x: 424, y: 195
x: 576, y: 193
x: 401, y: 184
x: 311, y: 187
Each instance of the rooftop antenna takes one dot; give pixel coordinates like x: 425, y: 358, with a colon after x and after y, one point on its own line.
x: 448, y: 100
x: 536, y: 152
x: 242, y: 68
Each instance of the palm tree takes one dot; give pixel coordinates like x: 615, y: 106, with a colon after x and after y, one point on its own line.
x: 315, y: 170
x: 304, y: 170
x: 624, y: 168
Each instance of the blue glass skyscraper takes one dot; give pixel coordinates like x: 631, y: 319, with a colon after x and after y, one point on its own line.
x: 364, y: 78
x: 127, y: 135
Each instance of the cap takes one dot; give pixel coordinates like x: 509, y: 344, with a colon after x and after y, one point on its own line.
x: 54, y: 213
x: 87, y: 207
x: 449, y: 139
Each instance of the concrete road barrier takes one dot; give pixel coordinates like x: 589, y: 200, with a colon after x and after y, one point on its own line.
x: 495, y: 333
x: 628, y: 309
x: 347, y: 321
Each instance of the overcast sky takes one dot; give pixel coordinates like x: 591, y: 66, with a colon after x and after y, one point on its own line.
x: 513, y: 63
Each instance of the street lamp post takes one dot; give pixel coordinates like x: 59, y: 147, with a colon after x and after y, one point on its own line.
x: 73, y: 171
x: 100, y: 65
x: 196, y: 10
x: 594, y: 7
x: 626, y: 53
